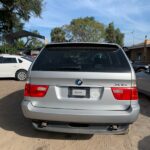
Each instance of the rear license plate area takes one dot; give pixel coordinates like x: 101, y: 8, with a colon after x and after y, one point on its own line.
x: 79, y: 92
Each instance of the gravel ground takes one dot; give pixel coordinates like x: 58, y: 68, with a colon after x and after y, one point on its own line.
x: 16, y: 132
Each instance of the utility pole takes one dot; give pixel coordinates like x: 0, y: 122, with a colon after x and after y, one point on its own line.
x: 133, y: 36
x: 145, y: 49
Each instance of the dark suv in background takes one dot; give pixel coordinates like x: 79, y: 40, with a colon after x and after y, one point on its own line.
x: 139, y: 66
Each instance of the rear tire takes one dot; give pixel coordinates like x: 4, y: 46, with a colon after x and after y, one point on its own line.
x: 21, y: 75
x: 140, y: 69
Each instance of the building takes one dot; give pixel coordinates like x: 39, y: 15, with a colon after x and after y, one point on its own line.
x: 140, y: 52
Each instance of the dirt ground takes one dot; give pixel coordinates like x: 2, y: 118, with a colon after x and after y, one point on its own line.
x: 16, y: 132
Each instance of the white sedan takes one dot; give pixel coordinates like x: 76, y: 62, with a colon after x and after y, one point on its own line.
x: 14, y: 66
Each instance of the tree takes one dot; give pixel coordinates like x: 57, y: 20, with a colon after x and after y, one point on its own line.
x: 113, y: 35
x: 30, y: 42
x: 19, y: 44
x: 6, y: 48
x: 58, y: 35
x: 87, y: 30
x: 110, y: 35
x: 35, y: 43
x: 119, y: 37
x: 84, y: 30
x: 22, y: 43
x: 79, y: 30
x: 15, y: 12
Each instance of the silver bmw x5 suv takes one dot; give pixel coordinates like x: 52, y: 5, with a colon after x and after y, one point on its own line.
x: 81, y: 88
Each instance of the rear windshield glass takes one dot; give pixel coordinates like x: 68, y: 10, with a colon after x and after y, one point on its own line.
x: 81, y: 59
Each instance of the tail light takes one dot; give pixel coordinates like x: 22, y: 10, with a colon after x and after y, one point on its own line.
x: 123, y: 93
x: 35, y: 90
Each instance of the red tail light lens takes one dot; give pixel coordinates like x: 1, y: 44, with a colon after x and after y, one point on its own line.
x: 134, y: 94
x: 35, y: 90
x: 123, y: 93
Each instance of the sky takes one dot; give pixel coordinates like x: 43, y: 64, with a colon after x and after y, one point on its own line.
x: 131, y: 16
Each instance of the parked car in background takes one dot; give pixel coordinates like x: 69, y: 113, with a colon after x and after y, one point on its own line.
x: 81, y: 88
x: 143, y: 81
x: 139, y: 66
x: 14, y: 66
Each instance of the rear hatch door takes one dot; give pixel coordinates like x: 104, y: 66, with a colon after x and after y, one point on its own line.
x: 81, y: 77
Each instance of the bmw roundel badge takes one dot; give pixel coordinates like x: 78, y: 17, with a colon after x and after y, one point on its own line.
x: 78, y: 82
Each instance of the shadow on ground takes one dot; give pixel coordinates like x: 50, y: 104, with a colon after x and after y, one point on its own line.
x: 145, y: 105
x: 144, y: 144
x: 12, y: 119
x: 1, y: 79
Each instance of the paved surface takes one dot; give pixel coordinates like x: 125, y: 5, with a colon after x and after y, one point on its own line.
x: 16, y: 132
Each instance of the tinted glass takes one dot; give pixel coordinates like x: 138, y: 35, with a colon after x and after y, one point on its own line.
x: 28, y: 58
x: 85, y: 59
x: 1, y: 59
x: 20, y: 61
x: 9, y: 60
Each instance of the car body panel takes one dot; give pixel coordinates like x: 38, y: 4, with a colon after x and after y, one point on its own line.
x: 100, y: 107
x: 10, y: 69
x: 57, y: 95
x: 143, y: 82
x: 80, y: 115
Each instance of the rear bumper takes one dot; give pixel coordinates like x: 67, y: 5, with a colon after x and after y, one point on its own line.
x: 81, y: 129
x: 80, y: 116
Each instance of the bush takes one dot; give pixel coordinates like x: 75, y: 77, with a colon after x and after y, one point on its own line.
x: 8, y: 49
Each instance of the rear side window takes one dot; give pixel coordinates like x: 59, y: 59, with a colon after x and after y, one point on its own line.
x: 9, y: 60
x: 20, y: 61
x: 81, y: 59
x: 28, y: 58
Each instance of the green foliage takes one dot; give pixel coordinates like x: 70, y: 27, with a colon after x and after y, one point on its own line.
x: 110, y: 35
x: 29, y: 43
x: 8, y: 49
x: 15, y: 12
x: 33, y: 42
x: 19, y: 44
x: 113, y: 35
x: 79, y: 30
x: 119, y: 37
x: 58, y: 35
x: 87, y: 30
x: 84, y: 30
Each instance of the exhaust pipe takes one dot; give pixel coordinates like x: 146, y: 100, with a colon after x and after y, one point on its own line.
x: 42, y: 125
x: 113, y: 127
